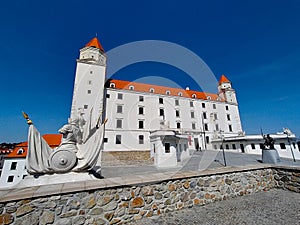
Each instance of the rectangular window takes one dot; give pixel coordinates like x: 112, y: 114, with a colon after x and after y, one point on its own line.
x: 161, y: 112
x: 85, y: 106
x: 141, y: 98
x: 228, y: 117
x: 120, y: 96
x: 176, y: 102
x: 215, y: 116
x: 204, y: 115
x: 193, y: 126
x: 13, y: 166
x: 119, y: 123
x: 214, y: 106
x: 105, y: 140
x: 226, y: 107
x: 177, y: 113
x: 207, y: 139
x: 89, y: 82
x: 233, y: 146
x: 261, y: 146
x: 206, y: 127
x: 192, y: 114
x: 107, y: 95
x: 141, y: 110
x: 203, y: 105
x: 217, y: 127
x: 282, y: 145
x: 167, y: 147
x: 230, y: 128
x: 10, y: 179
x: 141, y: 139
x: 141, y: 124
x: 191, y: 104
x: 178, y: 125
x: 227, y: 146
x: 161, y: 101
x: 118, y: 139
x: 253, y: 146
x: 89, y: 91
x: 119, y: 109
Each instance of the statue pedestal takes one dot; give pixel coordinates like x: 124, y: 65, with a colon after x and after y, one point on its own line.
x: 270, y: 156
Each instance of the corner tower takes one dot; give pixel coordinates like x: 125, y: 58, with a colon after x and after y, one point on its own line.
x: 226, y: 91
x: 89, y: 80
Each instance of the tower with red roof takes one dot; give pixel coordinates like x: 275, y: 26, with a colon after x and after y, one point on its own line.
x: 226, y: 90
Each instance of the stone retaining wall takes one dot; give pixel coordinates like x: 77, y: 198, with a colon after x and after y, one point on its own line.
x: 123, y: 204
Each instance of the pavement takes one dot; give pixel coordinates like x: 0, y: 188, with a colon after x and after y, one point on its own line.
x: 200, y: 160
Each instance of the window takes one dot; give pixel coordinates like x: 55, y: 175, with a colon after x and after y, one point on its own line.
x: 161, y: 112
x: 228, y: 117
x: 20, y: 151
x: 13, y: 166
x: 141, y: 110
x: 177, y: 113
x: 233, y: 146
x: 119, y: 109
x: 179, y: 93
x: 230, y: 128
x: 161, y: 101
x: 191, y: 104
x: 85, y: 106
x: 206, y: 127
x: 194, y: 96
x: 192, y: 114
x: 89, y: 91
x: 168, y: 92
x: 107, y: 95
x: 217, y: 127
x: 261, y: 146
x: 226, y: 107
x: 167, y: 147
x: 105, y: 140
x: 204, y: 115
x: 120, y: 96
x: 10, y: 179
x: 131, y: 88
x: 203, y: 105
x: 176, y: 102
x: 89, y: 82
x: 215, y: 116
x: 141, y: 98
x: 152, y: 90
x: 118, y: 139
x: 178, y: 125
x: 207, y: 139
x: 282, y: 145
x: 208, y: 98
x: 112, y: 85
x: 193, y: 126
x: 119, y: 123
x: 253, y: 146
x: 141, y: 139
x: 91, y: 72
x: 214, y: 106
x: 141, y: 124
x: 227, y: 146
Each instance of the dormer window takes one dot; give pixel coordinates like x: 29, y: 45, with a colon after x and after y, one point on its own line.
x: 20, y: 151
x: 179, y: 93
x: 152, y: 90
x: 131, y: 87
x: 112, y: 85
x: 168, y: 92
x: 194, y: 96
x: 208, y: 98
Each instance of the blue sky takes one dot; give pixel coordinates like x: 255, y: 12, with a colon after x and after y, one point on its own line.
x: 256, y: 44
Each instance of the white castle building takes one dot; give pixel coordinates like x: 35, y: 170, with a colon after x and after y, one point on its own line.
x: 136, y: 110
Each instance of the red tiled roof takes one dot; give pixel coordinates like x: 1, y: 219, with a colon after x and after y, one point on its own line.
x: 53, y: 141
x: 223, y: 79
x: 140, y: 87
x: 95, y: 43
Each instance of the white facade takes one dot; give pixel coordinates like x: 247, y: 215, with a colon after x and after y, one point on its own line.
x: 13, y: 172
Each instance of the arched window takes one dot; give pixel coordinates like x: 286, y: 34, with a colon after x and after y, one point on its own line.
x: 112, y: 85
x: 131, y: 87
x: 180, y: 93
x: 194, y: 95
x: 152, y: 90
x: 20, y: 151
x: 168, y: 92
x: 208, y: 98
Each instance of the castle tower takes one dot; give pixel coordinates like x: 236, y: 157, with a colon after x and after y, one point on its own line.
x: 89, y: 80
x: 226, y: 91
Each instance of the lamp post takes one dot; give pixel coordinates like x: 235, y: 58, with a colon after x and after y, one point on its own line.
x: 222, y: 147
x: 288, y: 133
